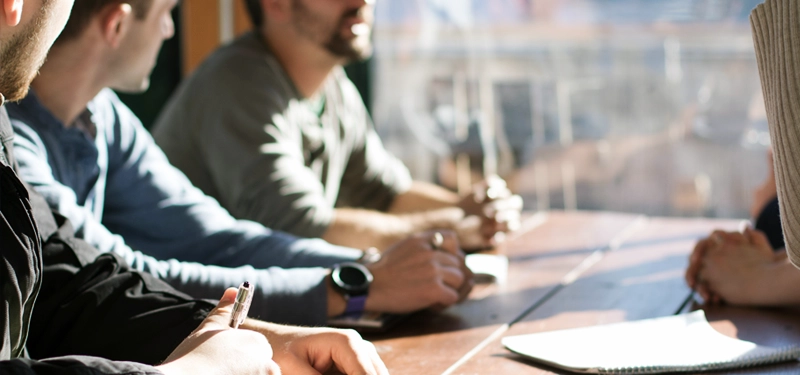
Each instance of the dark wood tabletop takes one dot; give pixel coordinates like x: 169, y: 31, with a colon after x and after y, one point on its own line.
x: 574, y: 269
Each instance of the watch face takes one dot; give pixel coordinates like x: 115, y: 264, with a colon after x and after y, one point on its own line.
x: 352, y: 278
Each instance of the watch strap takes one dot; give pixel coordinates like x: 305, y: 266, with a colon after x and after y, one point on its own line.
x: 355, y: 304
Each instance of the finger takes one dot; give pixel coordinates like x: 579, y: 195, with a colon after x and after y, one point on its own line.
x: 491, y: 226
x: 695, y: 260
x: 448, y: 260
x: 759, y: 240
x: 493, y: 187
x: 733, y: 237
x: 466, y: 286
x: 703, y: 291
x: 449, y: 245
x: 380, y: 367
x: 508, y: 215
x: 453, y: 277
x: 220, y: 317
x: 509, y: 203
x: 356, y: 357
x: 717, y: 237
x: 509, y: 219
x: 445, y: 295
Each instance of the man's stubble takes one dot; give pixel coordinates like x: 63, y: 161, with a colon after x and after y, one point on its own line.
x: 23, y: 55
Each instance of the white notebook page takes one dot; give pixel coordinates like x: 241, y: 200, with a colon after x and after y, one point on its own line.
x: 677, y: 343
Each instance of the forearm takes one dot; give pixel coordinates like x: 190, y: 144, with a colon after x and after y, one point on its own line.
x: 288, y: 296
x: 423, y: 196
x: 778, y: 287
x: 364, y: 228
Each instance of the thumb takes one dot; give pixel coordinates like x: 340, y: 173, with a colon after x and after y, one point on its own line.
x: 220, y: 317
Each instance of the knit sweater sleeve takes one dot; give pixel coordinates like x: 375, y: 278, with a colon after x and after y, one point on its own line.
x: 776, y: 34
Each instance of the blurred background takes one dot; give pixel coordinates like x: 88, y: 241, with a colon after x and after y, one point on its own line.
x: 646, y: 106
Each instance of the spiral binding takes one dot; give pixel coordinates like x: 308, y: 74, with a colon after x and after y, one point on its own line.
x: 783, y: 354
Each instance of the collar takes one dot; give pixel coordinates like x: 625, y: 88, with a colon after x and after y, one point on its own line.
x: 36, y: 115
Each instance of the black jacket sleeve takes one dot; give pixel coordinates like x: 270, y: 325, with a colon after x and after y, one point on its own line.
x: 94, y: 304
x: 74, y: 365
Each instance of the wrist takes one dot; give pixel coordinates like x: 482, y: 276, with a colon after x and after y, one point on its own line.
x: 336, y: 301
x: 352, y: 282
x: 781, y: 276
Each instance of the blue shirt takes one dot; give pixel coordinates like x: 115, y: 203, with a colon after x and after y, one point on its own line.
x: 121, y: 194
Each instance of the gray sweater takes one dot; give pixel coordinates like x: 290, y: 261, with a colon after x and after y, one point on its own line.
x: 241, y: 132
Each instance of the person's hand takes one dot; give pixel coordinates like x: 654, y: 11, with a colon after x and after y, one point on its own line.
x: 739, y: 270
x: 490, y: 209
x: 412, y: 275
x: 215, y: 348
x: 312, y: 351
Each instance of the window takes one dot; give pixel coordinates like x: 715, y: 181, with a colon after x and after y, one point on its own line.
x: 650, y: 106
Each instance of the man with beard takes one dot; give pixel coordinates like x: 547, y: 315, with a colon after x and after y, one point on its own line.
x: 271, y: 127
x: 63, y: 300
x: 81, y: 148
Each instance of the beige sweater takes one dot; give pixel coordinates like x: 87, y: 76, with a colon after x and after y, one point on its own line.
x: 776, y: 33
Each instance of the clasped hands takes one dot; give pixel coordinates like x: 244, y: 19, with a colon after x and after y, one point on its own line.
x: 736, y: 268
x: 490, y: 210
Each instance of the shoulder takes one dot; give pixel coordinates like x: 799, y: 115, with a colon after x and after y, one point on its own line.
x: 241, y: 69
x: 29, y: 119
x: 238, y: 85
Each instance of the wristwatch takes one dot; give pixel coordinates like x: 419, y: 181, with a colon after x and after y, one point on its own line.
x: 353, y: 281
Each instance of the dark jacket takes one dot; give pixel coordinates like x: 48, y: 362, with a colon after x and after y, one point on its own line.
x: 91, y: 309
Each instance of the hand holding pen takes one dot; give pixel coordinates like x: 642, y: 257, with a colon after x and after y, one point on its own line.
x: 209, y: 349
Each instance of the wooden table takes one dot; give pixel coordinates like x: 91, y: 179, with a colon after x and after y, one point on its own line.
x: 574, y: 269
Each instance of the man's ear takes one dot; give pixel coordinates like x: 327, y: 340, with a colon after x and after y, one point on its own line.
x: 279, y: 10
x: 115, y: 21
x: 13, y: 12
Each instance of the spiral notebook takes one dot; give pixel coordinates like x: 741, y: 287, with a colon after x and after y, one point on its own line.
x: 680, y: 343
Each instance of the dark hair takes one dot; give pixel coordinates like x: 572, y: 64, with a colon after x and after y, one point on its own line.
x: 255, y: 11
x: 84, y: 10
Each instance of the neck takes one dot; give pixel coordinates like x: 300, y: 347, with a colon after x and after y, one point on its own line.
x: 307, y: 65
x: 68, y: 81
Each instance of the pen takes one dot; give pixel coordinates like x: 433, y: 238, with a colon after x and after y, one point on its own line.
x: 242, y: 304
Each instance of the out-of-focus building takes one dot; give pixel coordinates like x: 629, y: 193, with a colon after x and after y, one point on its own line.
x: 650, y: 106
